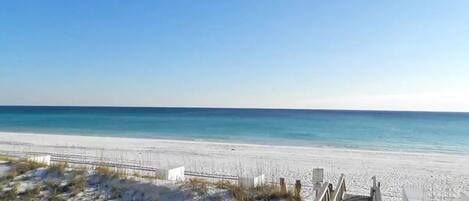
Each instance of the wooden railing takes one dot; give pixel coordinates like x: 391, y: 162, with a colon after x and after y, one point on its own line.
x: 325, y: 194
x: 340, y: 189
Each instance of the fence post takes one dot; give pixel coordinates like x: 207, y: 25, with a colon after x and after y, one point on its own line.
x: 283, y: 186
x: 298, y: 189
x: 318, y: 179
x: 331, y: 191
x: 375, y: 191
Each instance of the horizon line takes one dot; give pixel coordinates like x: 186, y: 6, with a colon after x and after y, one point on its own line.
x: 240, y: 108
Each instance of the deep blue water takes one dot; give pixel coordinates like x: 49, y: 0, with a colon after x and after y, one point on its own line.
x: 376, y: 130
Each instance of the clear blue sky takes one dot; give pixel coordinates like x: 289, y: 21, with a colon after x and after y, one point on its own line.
x: 396, y: 55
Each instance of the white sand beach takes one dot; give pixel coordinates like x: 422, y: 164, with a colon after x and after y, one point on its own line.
x: 435, y: 172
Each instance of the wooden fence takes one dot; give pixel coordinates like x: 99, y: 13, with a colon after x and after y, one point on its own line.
x: 326, y: 192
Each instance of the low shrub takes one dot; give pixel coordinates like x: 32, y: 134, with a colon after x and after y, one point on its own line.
x: 77, y: 184
x: 265, y: 192
x: 23, y: 166
x: 34, y: 192
x: 11, y: 194
x: 58, y: 168
x: 110, y: 173
x: 200, y: 186
x: 53, y: 186
x: 223, y: 184
x: 6, y: 159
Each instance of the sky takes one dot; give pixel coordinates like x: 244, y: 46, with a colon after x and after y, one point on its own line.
x: 371, y: 55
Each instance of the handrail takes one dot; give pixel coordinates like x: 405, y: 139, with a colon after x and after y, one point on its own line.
x: 340, y: 189
x: 325, y: 194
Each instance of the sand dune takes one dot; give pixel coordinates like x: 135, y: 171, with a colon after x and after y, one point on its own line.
x: 439, y: 172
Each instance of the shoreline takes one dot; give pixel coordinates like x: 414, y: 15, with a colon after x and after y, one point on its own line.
x: 215, y: 142
x: 393, y: 169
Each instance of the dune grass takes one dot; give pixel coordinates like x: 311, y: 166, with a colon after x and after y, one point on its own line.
x: 199, y: 186
x: 58, y: 168
x: 264, y: 192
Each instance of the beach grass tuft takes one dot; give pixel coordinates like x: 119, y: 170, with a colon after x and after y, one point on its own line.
x: 23, y: 166
x: 199, y: 186
x: 77, y: 184
x: 58, y: 168
x: 11, y: 194
x: 264, y: 192
x: 110, y: 173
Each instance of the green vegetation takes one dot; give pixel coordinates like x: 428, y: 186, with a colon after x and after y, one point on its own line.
x: 265, y: 192
x: 58, y: 168
x: 6, y: 159
x: 18, y: 167
x: 199, y: 186
x: 52, y: 185
x: 108, y: 173
x: 65, y: 183
x: 77, y: 184
x: 11, y: 194
x: 23, y: 166
x: 34, y: 192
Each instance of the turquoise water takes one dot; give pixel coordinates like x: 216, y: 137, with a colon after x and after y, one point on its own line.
x: 371, y: 130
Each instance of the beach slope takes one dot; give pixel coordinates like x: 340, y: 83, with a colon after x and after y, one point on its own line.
x: 433, y: 171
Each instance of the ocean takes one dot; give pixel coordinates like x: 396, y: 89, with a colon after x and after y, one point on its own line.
x: 441, y: 132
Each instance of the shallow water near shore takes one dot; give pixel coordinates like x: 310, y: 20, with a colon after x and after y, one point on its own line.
x: 369, y: 130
